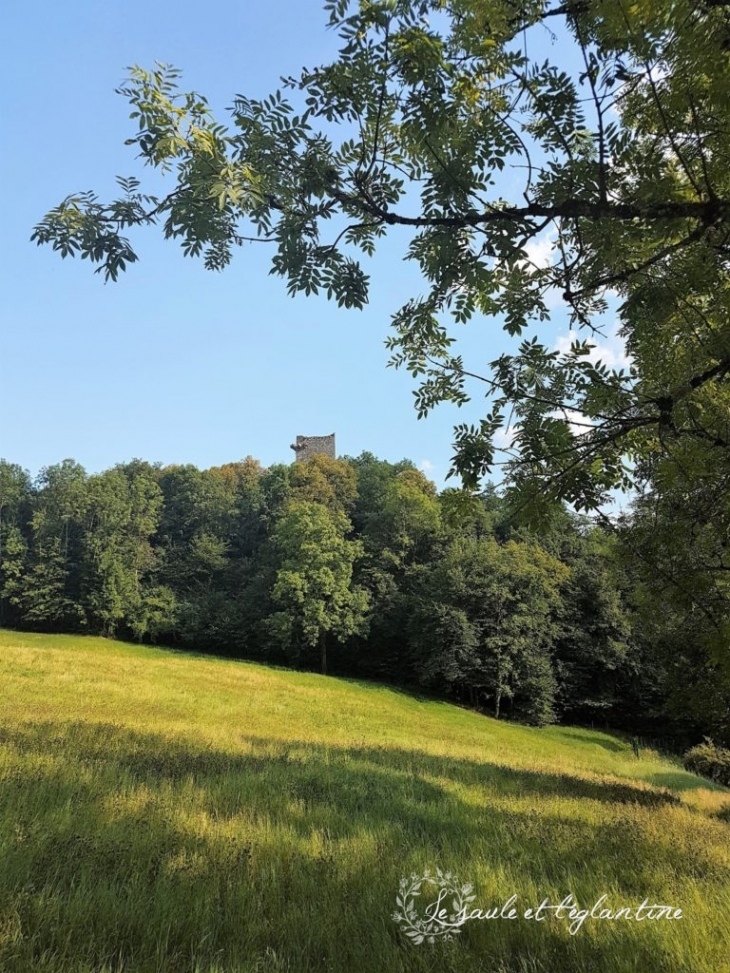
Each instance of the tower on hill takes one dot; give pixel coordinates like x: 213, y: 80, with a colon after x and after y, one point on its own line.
x: 308, y: 446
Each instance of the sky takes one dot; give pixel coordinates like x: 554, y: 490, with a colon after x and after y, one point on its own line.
x: 174, y: 363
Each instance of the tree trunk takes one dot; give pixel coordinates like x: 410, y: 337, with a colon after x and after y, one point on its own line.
x: 323, y: 652
x: 497, y: 701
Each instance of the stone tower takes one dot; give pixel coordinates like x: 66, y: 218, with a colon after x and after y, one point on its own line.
x: 307, y: 446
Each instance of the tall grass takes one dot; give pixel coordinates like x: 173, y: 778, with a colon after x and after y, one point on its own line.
x: 161, y: 812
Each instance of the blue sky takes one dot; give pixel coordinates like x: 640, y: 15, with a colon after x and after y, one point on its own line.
x: 174, y: 363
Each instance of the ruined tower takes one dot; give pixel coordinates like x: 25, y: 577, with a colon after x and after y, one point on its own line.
x: 307, y: 446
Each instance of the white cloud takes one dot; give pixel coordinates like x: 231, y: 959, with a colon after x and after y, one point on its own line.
x: 541, y: 253
x: 540, y: 250
x: 505, y: 438
x: 553, y: 298
x: 426, y: 466
x: 579, y: 424
x: 658, y: 72
x: 610, y: 350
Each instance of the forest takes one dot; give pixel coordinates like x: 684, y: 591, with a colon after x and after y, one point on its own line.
x: 360, y: 567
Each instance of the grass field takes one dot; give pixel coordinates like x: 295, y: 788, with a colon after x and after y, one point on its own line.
x: 164, y: 812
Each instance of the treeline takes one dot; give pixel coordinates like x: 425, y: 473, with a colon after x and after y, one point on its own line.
x: 357, y: 566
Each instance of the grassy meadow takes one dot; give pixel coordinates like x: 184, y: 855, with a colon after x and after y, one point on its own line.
x: 182, y: 814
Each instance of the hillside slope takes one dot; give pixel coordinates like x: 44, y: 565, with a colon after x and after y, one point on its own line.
x: 167, y: 812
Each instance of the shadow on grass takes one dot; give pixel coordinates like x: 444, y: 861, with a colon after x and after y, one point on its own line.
x: 153, y: 758
x: 599, y: 739
x: 682, y: 780
x: 139, y: 849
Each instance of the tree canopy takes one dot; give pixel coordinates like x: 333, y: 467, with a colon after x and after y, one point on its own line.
x: 313, y: 588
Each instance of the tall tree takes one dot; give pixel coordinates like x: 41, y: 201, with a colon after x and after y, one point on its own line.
x: 50, y: 590
x: 675, y: 545
x: 15, y: 496
x: 373, y: 477
x: 596, y: 654
x: 313, y: 588
x: 323, y: 479
x: 484, y: 620
x: 401, y: 534
x: 118, y: 559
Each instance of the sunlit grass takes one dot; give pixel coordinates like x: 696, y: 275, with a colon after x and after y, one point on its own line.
x: 161, y: 812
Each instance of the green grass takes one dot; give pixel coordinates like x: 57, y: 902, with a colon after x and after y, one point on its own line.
x: 161, y: 812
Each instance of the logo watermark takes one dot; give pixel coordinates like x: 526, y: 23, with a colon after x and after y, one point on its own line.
x: 435, y: 921
x: 447, y: 906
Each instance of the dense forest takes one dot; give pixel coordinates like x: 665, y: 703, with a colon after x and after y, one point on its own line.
x: 359, y: 566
